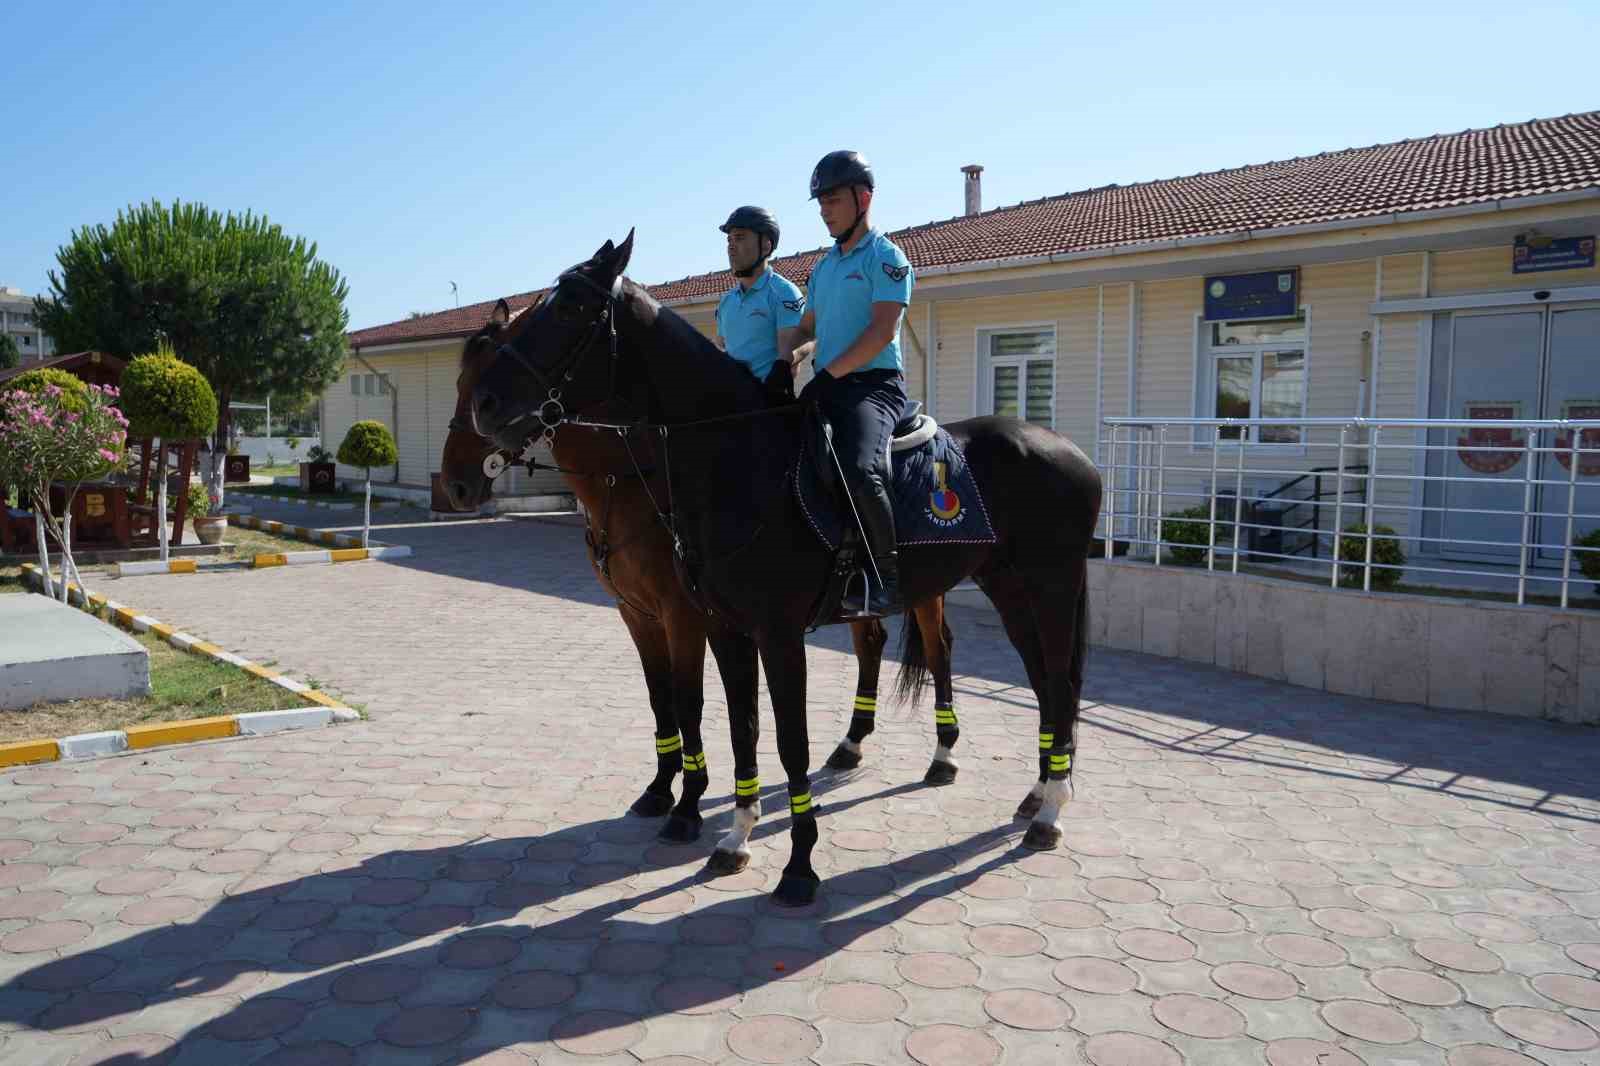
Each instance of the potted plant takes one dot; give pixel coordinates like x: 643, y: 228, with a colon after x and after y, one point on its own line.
x: 208, y: 526
x: 316, y: 473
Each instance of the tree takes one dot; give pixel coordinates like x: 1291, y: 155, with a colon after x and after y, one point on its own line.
x: 10, y: 357
x: 251, y: 307
x: 368, y: 444
x: 51, y: 433
x: 165, y: 397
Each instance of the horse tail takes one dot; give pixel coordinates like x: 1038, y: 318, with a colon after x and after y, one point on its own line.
x: 913, y: 677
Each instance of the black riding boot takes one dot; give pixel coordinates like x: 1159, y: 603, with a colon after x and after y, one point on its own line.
x: 877, y: 518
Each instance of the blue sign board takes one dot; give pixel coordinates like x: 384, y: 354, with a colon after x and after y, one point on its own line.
x: 1269, y: 294
x: 1555, y: 253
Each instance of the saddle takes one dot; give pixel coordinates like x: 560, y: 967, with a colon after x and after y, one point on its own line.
x: 934, y: 497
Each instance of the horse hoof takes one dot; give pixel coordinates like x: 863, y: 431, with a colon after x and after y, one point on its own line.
x: 1041, y: 837
x: 939, y: 773
x: 651, y: 804
x: 722, y: 863
x: 843, y: 759
x: 1029, y: 807
x: 681, y: 829
x: 793, y: 891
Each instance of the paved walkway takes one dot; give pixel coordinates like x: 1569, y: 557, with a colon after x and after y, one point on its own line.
x: 1251, y: 874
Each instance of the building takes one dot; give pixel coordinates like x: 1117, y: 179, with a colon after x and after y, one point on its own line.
x: 17, y: 321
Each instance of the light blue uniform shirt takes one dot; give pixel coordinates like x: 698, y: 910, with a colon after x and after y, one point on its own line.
x: 843, y: 289
x: 748, y: 320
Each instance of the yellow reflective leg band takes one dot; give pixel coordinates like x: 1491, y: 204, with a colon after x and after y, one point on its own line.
x: 1046, y: 740
x: 1059, y: 763
x: 944, y: 716
x: 694, y: 762
x: 866, y: 704
x: 669, y: 745
x: 746, y: 786
x: 800, y: 804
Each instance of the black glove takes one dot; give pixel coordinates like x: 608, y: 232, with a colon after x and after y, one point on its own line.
x: 780, y: 383
x: 818, y: 387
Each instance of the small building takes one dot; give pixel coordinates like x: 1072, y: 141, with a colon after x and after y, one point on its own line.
x: 17, y: 322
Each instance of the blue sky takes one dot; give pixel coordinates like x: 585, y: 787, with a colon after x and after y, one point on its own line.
x: 493, y: 145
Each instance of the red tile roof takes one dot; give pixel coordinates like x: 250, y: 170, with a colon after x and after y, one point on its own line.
x: 1475, y: 166
x: 456, y: 322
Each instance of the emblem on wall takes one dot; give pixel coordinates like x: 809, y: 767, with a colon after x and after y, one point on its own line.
x: 1491, y: 449
x: 1588, y: 440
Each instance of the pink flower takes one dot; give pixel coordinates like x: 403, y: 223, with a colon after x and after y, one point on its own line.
x: 108, y: 456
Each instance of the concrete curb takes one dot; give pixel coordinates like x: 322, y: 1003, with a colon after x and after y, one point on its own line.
x: 114, y: 742
x: 347, y: 549
x: 323, y: 504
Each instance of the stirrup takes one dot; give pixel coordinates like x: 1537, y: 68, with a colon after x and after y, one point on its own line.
x: 865, y: 612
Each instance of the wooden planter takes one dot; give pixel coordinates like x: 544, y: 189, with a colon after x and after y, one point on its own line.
x: 236, y: 470
x: 317, y: 477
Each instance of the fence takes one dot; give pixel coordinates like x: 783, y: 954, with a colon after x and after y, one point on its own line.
x: 1480, y: 504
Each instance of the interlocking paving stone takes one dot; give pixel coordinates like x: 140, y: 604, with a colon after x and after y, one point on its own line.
x: 1249, y: 872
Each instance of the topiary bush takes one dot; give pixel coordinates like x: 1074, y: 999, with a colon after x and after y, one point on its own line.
x: 1176, y: 530
x: 74, y: 391
x: 1589, y: 561
x: 165, y: 397
x: 1385, y: 551
x: 368, y: 444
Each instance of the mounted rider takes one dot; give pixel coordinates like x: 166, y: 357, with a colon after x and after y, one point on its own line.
x: 855, y: 299
x: 757, y: 317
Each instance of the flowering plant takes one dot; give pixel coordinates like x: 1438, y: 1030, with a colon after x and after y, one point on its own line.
x: 48, y: 435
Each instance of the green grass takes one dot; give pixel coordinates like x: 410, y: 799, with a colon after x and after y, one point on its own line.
x: 280, y: 470
x: 182, y: 686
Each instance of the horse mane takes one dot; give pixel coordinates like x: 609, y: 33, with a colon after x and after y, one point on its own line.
x: 726, y: 384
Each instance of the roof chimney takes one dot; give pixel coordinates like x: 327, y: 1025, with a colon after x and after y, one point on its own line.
x: 974, y: 188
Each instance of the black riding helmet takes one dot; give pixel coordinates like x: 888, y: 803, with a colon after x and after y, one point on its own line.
x: 758, y: 220
x: 843, y: 167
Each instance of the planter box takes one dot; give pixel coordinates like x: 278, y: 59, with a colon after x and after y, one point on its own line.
x: 209, y: 530
x: 236, y: 470
x: 317, y: 477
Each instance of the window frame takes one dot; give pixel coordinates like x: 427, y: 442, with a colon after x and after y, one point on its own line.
x: 1206, y: 356
x: 986, y: 361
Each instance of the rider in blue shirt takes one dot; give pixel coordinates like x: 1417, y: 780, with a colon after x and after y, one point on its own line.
x: 855, y: 298
x: 759, y: 315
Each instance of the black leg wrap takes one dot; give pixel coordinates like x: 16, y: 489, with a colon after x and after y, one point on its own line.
x: 861, y: 726
x: 656, y: 799
x: 683, y: 824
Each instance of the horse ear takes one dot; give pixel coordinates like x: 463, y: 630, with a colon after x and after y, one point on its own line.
x: 603, y: 253
x: 501, y: 314
x: 624, y: 253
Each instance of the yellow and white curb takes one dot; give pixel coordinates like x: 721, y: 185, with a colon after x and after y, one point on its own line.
x: 348, y: 550
x: 115, y: 741
x: 326, y: 505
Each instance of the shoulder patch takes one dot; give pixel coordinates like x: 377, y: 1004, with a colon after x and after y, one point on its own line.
x: 897, y: 273
x: 797, y: 305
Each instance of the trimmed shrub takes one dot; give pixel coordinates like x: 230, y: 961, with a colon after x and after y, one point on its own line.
x: 74, y: 391
x: 368, y: 444
x: 165, y: 397
x: 1385, y: 551
x: 1589, y: 561
x: 1176, y: 530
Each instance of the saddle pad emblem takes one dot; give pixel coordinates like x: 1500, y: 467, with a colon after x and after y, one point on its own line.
x: 944, y: 506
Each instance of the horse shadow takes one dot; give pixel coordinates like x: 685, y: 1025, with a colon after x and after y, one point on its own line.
x: 431, y: 923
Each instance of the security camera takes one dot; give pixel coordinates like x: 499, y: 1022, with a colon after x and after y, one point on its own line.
x: 1542, y: 294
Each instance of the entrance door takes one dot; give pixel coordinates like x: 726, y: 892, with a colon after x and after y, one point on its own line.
x: 1493, y: 373
x: 1518, y: 364
x: 1572, y: 390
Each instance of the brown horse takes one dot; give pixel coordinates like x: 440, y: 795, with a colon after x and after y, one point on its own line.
x: 619, y: 485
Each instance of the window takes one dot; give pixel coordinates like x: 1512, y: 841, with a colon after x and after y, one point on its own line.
x: 1257, y: 369
x: 1022, y: 374
x: 372, y: 384
x: 355, y: 384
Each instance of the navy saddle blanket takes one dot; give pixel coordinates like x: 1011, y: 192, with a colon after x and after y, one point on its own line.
x: 936, y: 501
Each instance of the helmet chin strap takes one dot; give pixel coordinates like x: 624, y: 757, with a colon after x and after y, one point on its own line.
x: 855, y: 198
x: 754, y: 268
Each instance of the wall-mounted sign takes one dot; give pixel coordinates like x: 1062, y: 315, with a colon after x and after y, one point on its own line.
x: 1491, y: 449
x: 1269, y: 294
x: 1551, y: 253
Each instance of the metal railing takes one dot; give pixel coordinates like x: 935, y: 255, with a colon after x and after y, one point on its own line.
x: 1480, y: 505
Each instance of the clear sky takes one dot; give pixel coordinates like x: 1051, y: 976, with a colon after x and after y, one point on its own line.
x: 493, y: 144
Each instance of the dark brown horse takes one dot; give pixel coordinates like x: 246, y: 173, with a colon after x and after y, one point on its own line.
x: 619, y: 484
x: 746, y: 547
